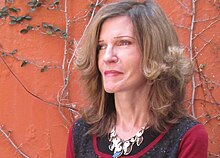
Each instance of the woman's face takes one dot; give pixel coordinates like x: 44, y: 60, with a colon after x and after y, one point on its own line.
x: 119, y: 58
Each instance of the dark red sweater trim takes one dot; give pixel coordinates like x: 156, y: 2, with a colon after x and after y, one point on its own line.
x: 70, y: 144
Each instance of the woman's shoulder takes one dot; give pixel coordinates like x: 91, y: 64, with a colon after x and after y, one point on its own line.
x: 183, y: 126
x: 193, y: 128
x: 187, y: 123
x: 80, y: 124
x: 80, y: 129
x: 194, y: 143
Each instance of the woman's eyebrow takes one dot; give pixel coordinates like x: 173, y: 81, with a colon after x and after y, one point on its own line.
x: 124, y: 36
x: 118, y: 37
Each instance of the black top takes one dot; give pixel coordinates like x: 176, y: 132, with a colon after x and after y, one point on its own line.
x: 155, y: 145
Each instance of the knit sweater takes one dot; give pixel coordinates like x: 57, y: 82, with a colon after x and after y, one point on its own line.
x: 187, y: 139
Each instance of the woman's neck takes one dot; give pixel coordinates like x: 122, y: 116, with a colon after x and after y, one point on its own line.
x: 132, y: 114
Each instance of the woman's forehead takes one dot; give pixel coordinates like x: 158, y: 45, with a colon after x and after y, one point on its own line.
x: 116, y: 27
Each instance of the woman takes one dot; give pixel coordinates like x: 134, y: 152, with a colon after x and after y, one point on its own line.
x: 135, y: 76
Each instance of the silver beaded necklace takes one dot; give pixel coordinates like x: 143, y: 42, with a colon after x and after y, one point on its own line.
x: 121, y: 147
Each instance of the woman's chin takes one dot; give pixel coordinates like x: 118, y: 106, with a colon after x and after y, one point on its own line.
x: 110, y: 89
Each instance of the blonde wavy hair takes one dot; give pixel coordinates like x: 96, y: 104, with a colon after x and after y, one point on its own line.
x: 163, y: 64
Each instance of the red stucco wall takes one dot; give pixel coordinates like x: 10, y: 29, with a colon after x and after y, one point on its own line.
x: 36, y: 126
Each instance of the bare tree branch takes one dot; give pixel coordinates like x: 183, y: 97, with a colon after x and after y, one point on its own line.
x: 213, y: 117
x: 201, y: 49
x: 7, y: 136
x: 191, y: 56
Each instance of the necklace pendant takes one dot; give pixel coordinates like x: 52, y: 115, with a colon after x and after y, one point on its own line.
x: 117, y: 154
x: 139, y: 133
x: 127, y: 147
x: 120, y: 147
x: 139, y: 140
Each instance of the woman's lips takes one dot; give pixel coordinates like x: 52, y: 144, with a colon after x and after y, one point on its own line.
x: 112, y: 73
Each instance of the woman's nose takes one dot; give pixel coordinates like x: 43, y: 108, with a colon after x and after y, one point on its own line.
x: 110, y: 55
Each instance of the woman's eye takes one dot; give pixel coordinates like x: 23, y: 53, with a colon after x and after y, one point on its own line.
x: 102, y: 46
x: 124, y: 43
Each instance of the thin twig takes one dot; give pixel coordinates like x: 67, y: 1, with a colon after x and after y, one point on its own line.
x: 12, y: 143
x: 203, y: 100
x: 185, y: 7
x: 209, y: 19
x: 213, y: 82
x: 100, y: 2
x: 201, y: 49
x: 204, y: 78
x: 216, y: 116
x: 210, y: 25
x: 181, y: 26
x: 80, y: 17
